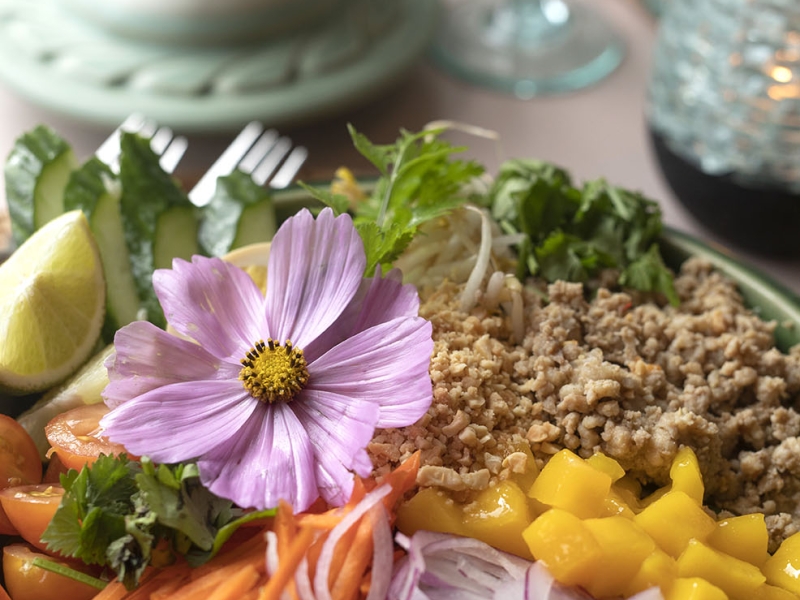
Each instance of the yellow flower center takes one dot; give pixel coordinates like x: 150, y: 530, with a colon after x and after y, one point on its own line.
x: 272, y: 372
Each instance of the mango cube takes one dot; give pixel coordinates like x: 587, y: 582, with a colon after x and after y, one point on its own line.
x: 783, y: 568
x: 685, y: 475
x: 658, y: 569
x: 624, y: 547
x: 569, y: 483
x: 745, y: 537
x: 563, y: 542
x: 606, y: 464
x: 497, y: 516
x: 432, y: 510
x: 772, y: 592
x: 738, y: 579
x: 694, y: 588
x: 673, y: 520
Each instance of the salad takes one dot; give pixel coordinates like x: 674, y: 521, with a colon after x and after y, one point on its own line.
x: 368, y: 394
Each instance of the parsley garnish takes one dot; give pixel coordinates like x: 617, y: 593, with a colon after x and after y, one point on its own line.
x: 117, y: 511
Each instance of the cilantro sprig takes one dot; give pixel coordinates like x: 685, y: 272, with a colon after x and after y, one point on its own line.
x: 115, y: 513
x: 571, y: 233
x: 419, y: 181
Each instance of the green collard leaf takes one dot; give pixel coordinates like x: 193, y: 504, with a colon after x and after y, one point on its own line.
x: 649, y: 273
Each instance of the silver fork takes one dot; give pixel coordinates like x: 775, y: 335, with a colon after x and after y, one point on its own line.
x: 165, y: 144
x: 265, y: 155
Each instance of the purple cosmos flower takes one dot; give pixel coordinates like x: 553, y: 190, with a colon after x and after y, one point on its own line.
x: 279, y: 396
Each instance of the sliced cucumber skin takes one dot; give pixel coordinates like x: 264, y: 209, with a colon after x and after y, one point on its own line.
x: 36, y: 172
x: 94, y: 189
x: 239, y: 213
x: 147, y: 193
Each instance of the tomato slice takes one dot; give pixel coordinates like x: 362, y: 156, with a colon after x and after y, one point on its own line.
x: 19, y: 462
x: 30, y: 509
x: 26, y: 581
x: 76, y: 437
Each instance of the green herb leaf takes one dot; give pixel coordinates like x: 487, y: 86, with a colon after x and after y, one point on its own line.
x: 419, y: 181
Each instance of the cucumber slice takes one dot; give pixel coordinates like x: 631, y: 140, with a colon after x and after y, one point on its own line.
x: 157, y: 216
x: 94, y: 189
x: 36, y: 173
x: 176, y: 236
x: 241, y: 212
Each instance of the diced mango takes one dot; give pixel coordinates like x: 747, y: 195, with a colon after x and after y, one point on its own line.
x: 624, y: 547
x: 606, y: 464
x: 694, y: 588
x: 569, y: 483
x: 783, y: 568
x: 685, y: 475
x: 430, y: 509
x: 745, y: 537
x: 615, y: 505
x: 673, y: 520
x: 498, y: 517
x: 772, y: 592
x: 658, y: 569
x: 564, y: 543
x: 630, y: 490
x: 735, y: 577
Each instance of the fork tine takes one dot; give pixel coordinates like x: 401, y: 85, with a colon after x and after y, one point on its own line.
x: 260, y: 149
x: 109, y: 149
x: 201, y: 193
x: 173, y: 154
x: 161, y: 140
x: 271, y: 161
x: 289, y: 168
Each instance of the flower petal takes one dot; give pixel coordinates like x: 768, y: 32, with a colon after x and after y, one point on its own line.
x: 387, y: 364
x: 214, y: 303
x: 270, y: 459
x: 379, y: 299
x: 181, y: 421
x: 315, y: 268
x: 339, y: 429
x: 147, y: 357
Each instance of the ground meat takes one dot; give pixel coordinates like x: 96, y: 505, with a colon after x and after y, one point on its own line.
x: 618, y: 374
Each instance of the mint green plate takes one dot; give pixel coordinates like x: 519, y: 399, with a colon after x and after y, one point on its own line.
x: 72, y: 66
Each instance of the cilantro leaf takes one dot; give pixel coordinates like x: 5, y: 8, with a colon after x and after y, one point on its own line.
x: 572, y: 233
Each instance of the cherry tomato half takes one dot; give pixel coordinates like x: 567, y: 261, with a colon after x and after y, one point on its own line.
x: 30, y: 508
x: 76, y: 436
x: 19, y: 462
x: 26, y: 581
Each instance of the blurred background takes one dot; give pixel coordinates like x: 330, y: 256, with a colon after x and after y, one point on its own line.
x: 620, y: 106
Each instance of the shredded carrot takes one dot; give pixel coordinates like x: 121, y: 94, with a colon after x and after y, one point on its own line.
x: 238, y: 572
x: 237, y: 585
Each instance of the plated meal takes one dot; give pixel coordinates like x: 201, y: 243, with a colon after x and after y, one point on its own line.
x: 434, y: 384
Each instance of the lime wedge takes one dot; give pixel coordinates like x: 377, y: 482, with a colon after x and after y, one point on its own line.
x: 52, y: 304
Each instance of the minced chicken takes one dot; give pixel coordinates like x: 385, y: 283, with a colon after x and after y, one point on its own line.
x: 631, y: 379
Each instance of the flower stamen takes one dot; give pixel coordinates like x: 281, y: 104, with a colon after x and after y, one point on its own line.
x: 272, y: 372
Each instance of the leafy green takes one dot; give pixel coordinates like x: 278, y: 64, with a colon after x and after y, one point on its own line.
x: 35, y: 173
x: 150, y: 196
x: 116, y: 511
x: 572, y: 233
x: 240, y: 212
x: 419, y: 181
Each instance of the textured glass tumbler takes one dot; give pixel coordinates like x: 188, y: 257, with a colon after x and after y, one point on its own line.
x: 724, y: 116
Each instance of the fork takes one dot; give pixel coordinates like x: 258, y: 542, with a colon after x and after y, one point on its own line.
x: 263, y: 154
x: 164, y: 143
